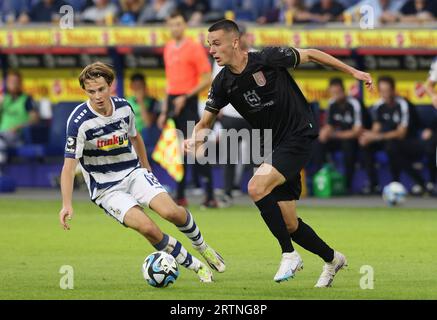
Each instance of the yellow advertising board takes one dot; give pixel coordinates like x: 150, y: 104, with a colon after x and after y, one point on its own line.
x: 31, y: 38
x: 409, y: 84
x: 3, y: 38
x: 263, y: 36
x: 82, y: 37
x: 62, y: 85
x: 57, y: 85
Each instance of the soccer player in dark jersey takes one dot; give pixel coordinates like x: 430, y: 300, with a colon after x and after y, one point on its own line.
x: 260, y: 88
x: 344, y: 123
x: 395, y: 129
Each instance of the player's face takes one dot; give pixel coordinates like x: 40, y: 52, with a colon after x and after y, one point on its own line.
x: 336, y: 92
x: 99, y: 93
x: 13, y: 84
x: 386, y: 91
x: 177, y: 27
x: 222, y: 46
x: 138, y: 86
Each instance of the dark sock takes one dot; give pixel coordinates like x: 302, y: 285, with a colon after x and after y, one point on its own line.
x: 306, y: 237
x: 272, y: 216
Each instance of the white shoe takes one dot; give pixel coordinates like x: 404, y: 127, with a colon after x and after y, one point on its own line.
x: 330, y: 270
x: 291, y: 263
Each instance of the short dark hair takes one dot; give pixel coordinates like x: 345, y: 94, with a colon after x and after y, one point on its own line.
x: 387, y: 79
x: 336, y: 82
x: 138, y: 77
x: 225, y: 25
x: 175, y: 14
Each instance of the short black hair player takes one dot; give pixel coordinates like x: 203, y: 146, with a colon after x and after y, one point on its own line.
x: 261, y: 89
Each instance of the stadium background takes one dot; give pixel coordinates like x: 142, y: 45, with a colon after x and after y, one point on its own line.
x: 51, y: 58
x: 398, y: 243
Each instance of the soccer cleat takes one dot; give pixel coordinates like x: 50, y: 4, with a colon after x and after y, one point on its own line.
x: 204, y: 274
x: 214, y: 259
x: 291, y: 263
x: 330, y: 270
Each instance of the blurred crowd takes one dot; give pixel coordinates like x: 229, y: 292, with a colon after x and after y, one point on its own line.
x: 196, y: 12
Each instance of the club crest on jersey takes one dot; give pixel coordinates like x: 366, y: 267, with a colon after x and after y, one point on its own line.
x: 70, y: 146
x: 252, y: 98
x: 113, y: 142
x: 259, y: 78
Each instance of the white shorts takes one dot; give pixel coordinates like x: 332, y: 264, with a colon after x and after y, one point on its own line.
x: 138, y: 188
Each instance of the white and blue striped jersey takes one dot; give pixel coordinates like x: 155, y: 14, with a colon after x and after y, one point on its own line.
x: 102, y: 144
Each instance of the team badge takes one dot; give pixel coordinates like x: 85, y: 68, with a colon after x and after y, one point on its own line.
x: 259, y: 78
x: 70, y: 146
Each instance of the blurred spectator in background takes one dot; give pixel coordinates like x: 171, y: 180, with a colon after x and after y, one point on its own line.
x: 157, y: 11
x: 419, y: 11
x: 343, y: 126
x: 431, y: 135
x: 10, y: 10
x: 299, y: 12
x: 193, y: 10
x: 130, y: 11
x: 43, y: 11
x: 395, y: 130
x: 146, y: 109
x: 101, y: 13
x: 327, y: 11
x: 17, y: 110
x: 188, y: 72
x: 383, y: 10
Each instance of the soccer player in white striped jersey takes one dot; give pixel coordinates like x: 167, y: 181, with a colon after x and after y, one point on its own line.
x: 119, y: 176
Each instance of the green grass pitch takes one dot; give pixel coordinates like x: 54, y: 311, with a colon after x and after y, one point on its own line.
x: 399, y: 244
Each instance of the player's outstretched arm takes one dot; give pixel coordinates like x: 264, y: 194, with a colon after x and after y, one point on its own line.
x: 67, y: 179
x: 320, y: 57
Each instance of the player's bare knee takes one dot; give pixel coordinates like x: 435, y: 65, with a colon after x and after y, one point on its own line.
x: 256, y: 190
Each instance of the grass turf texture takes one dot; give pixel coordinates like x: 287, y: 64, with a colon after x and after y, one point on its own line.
x: 400, y: 244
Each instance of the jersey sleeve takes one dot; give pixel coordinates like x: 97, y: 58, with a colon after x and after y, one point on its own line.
x: 30, y: 104
x: 217, y: 98
x: 75, y: 141
x: 358, y: 117
x: 329, y: 115
x: 132, y: 130
x: 433, y: 71
x: 280, y: 57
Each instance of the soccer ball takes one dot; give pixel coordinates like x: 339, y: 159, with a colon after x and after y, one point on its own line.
x: 394, y: 193
x: 160, y: 269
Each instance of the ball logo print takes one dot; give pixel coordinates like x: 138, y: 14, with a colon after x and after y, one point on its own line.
x: 160, y: 269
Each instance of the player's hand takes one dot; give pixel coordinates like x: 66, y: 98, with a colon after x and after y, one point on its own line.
x: 366, y: 77
x: 179, y: 103
x: 65, y: 214
x: 189, y: 146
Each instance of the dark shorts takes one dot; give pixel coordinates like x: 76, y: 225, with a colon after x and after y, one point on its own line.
x: 289, y: 158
